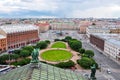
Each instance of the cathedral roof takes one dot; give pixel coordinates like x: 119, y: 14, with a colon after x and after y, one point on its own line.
x: 43, y: 72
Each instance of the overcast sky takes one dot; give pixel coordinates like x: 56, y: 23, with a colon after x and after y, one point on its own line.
x: 59, y: 8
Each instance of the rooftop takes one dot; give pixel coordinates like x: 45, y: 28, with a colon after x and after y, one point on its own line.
x: 44, y: 72
x: 106, y: 36
x: 104, y: 27
x: 115, y: 42
x: 1, y: 37
x: 112, y: 38
x: 18, y: 28
x: 97, y: 27
x: 42, y: 24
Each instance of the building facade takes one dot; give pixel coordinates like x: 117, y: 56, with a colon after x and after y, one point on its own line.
x: 84, y: 25
x: 94, y: 29
x: 43, y: 27
x: 108, y: 43
x: 83, y: 29
x: 64, y: 26
x: 115, y: 31
x: 3, y: 43
x: 112, y: 48
x: 97, y: 41
x: 19, y: 35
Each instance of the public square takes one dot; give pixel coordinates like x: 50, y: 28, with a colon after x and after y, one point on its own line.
x: 103, y: 60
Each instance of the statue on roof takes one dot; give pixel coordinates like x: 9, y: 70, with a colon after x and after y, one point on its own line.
x: 35, y: 55
x: 93, y: 71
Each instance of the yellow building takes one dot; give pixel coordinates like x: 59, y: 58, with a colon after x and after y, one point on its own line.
x: 115, y: 31
x: 84, y: 25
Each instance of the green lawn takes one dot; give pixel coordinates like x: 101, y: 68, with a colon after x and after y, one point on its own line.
x: 56, y: 55
x: 58, y: 44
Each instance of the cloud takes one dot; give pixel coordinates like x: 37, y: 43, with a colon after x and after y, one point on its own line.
x: 7, y: 9
x: 98, y: 12
x: 17, y: 5
x: 43, y: 16
x: 60, y: 8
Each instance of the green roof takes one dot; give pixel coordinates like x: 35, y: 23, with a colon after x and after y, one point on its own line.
x: 44, y: 72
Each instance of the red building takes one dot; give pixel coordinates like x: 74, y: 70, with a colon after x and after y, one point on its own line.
x: 3, y: 43
x: 19, y: 35
x: 97, y: 41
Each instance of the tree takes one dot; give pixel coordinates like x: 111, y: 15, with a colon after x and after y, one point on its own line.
x: 94, y: 62
x: 34, y: 46
x: 3, y: 59
x: 81, y: 50
x: 63, y: 40
x: 14, y: 56
x: 75, y: 44
x: 47, y: 41
x: 89, y: 53
x: 85, y: 62
x: 22, y: 62
x: 42, y: 45
x: 6, y: 57
x: 56, y: 40
x: 29, y: 48
x: 17, y: 51
x: 67, y: 38
x: 84, y: 55
x: 25, y: 53
x: 93, y: 24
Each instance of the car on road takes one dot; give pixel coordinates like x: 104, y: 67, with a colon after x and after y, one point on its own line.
x: 108, y: 71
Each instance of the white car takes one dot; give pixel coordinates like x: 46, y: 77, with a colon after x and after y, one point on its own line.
x: 108, y: 71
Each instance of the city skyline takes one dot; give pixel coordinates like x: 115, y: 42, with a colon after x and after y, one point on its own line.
x: 59, y: 8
